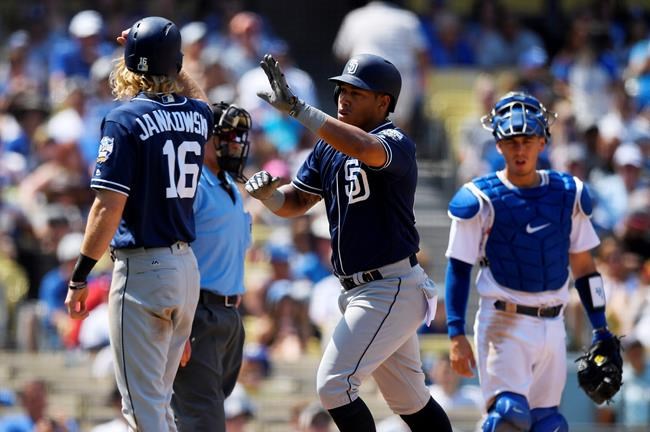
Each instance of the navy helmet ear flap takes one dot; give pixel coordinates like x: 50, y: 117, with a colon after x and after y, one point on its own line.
x: 337, y: 92
x: 392, y: 103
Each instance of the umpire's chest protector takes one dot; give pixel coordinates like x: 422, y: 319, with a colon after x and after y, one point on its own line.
x: 527, y: 247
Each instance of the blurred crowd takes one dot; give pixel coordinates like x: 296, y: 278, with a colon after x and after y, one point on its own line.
x: 54, y: 92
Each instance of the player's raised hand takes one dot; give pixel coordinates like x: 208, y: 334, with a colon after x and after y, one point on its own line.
x: 281, y: 96
x: 121, y: 39
x: 461, y: 356
x: 262, y: 185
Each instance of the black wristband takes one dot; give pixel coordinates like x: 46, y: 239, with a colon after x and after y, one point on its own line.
x: 82, y: 268
x: 77, y: 285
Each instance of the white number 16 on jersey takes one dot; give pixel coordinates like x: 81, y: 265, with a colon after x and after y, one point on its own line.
x: 180, y: 189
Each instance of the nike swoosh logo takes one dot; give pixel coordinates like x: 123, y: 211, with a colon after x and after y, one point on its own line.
x: 517, y: 410
x: 531, y: 230
x: 557, y: 429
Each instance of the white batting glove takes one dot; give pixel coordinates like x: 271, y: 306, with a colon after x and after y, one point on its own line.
x: 264, y: 187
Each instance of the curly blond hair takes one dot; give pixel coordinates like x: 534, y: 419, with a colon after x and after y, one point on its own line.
x: 126, y: 84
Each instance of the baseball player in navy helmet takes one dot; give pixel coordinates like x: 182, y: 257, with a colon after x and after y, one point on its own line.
x: 365, y: 170
x: 145, y: 179
x: 529, y: 230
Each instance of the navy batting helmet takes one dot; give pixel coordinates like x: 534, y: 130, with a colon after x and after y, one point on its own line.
x: 518, y: 113
x: 371, y: 72
x: 153, y: 47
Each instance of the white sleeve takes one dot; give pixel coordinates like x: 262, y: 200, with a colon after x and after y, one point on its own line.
x: 465, y: 239
x: 583, y: 235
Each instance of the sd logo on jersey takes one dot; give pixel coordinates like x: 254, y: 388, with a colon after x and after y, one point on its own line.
x: 356, y: 182
x: 105, y: 149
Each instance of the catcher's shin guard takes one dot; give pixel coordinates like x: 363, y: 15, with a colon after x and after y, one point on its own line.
x: 548, y: 419
x: 509, y: 413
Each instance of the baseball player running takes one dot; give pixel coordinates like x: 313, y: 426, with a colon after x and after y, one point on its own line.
x: 365, y: 169
x: 223, y: 233
x: 145, y: 180
x: 527, y: 229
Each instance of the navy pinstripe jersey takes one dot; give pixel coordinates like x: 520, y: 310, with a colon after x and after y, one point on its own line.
x: 370, y: 210
x: 152, y: 151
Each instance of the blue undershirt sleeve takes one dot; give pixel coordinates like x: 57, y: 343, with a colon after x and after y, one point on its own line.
x: 596, y: 313
x: 456, y: 295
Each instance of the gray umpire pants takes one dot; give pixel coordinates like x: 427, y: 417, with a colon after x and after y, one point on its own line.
x: 201, y: 387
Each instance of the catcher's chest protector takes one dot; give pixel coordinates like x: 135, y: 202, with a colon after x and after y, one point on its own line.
x: 528, y: 244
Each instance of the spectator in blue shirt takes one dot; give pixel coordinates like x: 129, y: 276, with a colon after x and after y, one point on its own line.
x: 448, y: 47
x: 75, y: 56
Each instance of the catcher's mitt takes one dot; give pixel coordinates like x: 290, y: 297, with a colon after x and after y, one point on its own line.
x: 600, y: 370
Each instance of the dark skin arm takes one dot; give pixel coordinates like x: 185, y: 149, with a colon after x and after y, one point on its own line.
x: 353, y: 140
x: 296, y: 202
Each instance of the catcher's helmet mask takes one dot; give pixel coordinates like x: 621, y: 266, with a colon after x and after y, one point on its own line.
x: 518, y: 113
x: 231, y: 127
x: 153, y: 47
x: 370, y: 72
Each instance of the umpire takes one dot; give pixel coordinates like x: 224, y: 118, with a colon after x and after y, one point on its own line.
x: 365, y: 169
x: 223, y: 234
x: 145, y: 179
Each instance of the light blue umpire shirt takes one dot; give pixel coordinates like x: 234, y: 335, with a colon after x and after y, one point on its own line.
x: 223, y: 234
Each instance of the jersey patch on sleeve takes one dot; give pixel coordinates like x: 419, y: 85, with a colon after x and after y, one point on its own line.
x: 464, y: 204
x: 105, y: 149
x: 391, y: 133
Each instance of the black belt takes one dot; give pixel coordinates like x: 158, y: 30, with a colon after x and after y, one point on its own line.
x: 210, y: 298
x: 546, y: 312
x: 348, y: 282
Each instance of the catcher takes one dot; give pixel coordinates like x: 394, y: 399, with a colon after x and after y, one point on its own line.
x: 529, y: 230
